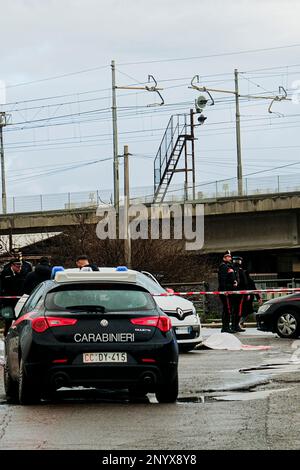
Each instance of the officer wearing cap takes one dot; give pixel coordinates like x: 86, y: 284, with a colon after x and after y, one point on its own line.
x: 12, y: 285
x: 227, y: 282
x: 26, y: 266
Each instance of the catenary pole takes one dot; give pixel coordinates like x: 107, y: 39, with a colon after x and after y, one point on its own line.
x: 115, y: 140
x: 127, y: 238
x: 238, y: 135
x: 3, y: 182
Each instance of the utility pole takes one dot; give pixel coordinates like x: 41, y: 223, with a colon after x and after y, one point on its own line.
x: 115, y: 141
x: 238, y: 134
x: 2, y: 124
x: 127, y: 238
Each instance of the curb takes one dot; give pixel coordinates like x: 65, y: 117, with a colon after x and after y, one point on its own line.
x: 219, y: 325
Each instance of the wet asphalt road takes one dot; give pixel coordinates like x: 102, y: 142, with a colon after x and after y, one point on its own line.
x: 228, y: 400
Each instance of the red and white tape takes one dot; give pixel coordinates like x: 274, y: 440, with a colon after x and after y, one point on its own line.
x: 10, y: 296
x: 230, y: 292
x: 204, y: 292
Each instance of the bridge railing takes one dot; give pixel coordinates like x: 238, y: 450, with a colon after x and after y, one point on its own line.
x: 252, y: 185
x: 58, y: 201
x: 204, y: 191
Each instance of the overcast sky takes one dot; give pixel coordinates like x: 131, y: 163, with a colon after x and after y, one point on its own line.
x: 46, y: 43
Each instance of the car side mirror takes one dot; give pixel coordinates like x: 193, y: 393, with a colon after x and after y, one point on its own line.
x: 169, y: 290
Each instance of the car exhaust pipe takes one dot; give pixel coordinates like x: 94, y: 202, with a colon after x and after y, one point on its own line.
x: 149, y: 379
x: 60, y: 379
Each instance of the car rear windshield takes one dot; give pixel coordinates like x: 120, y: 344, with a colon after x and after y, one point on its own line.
x: 111, y: 299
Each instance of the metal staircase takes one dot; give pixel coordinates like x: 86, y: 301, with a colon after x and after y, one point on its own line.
x: 177, y: 140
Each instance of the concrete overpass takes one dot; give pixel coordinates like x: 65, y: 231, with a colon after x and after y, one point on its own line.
x: 261, y: 222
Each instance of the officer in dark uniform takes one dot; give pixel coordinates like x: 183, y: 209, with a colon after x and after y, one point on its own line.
x: 239, y: 299
x: 227, y: 282
x: 12, y: 285
x: 26, y: 267
x: 246, y: 282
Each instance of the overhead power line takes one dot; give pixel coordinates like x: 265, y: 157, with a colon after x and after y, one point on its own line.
x: 57, y: 170
x: 59, y: 167
x: 208, y: 56
x: 55, y: 77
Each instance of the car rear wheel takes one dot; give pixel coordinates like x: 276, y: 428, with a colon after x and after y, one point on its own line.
x: 167, y: 393
x: 10, y: 386
x: 28, y: 393
x: 288, y: 324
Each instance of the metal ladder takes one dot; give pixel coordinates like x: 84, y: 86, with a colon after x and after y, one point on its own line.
x: 176, y: 137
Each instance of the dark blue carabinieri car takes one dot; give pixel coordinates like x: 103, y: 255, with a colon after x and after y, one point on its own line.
x: 90, y: 329
x: 280, y: 315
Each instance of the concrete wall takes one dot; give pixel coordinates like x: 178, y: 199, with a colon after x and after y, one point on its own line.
x: 254, y: 223
x: 257, y: 231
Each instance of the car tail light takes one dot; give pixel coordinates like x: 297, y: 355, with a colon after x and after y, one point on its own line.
x: 148, y: 360
x: 162, y: 323
x: 60, y: 361
x: 41, y: 324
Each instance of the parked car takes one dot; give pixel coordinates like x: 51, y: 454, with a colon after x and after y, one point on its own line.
x: 280, y: 315
x: 91, y: 329
x: 185, y: 320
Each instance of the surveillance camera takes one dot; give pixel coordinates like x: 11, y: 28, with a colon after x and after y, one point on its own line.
x: 200, y: 103
x: 202, y: 119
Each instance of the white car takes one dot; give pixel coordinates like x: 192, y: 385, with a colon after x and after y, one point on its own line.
x: 185, y: 320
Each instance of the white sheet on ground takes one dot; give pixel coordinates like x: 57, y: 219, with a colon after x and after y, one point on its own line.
x: 230, y: 342
x: 223, y: 341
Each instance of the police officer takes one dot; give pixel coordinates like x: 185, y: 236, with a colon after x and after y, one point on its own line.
x: 227, y: 282
x: 82, y: 261
x: 239, y: 299
x: 41, y: 273
x: 245, y: 283
x: 12, y: 285
x: 26, y: 267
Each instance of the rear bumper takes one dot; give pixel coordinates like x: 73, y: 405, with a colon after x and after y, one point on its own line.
x: 91, y: 375
x: 151, y: 363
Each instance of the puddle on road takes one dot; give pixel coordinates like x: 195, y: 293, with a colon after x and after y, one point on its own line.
x: 245, y: 396
x: 235, y: 396
x: 282, y: 367
x: 200, y: 399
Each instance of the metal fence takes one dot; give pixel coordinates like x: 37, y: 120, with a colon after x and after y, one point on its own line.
x: 204, y: 192
x: 276, y: 284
